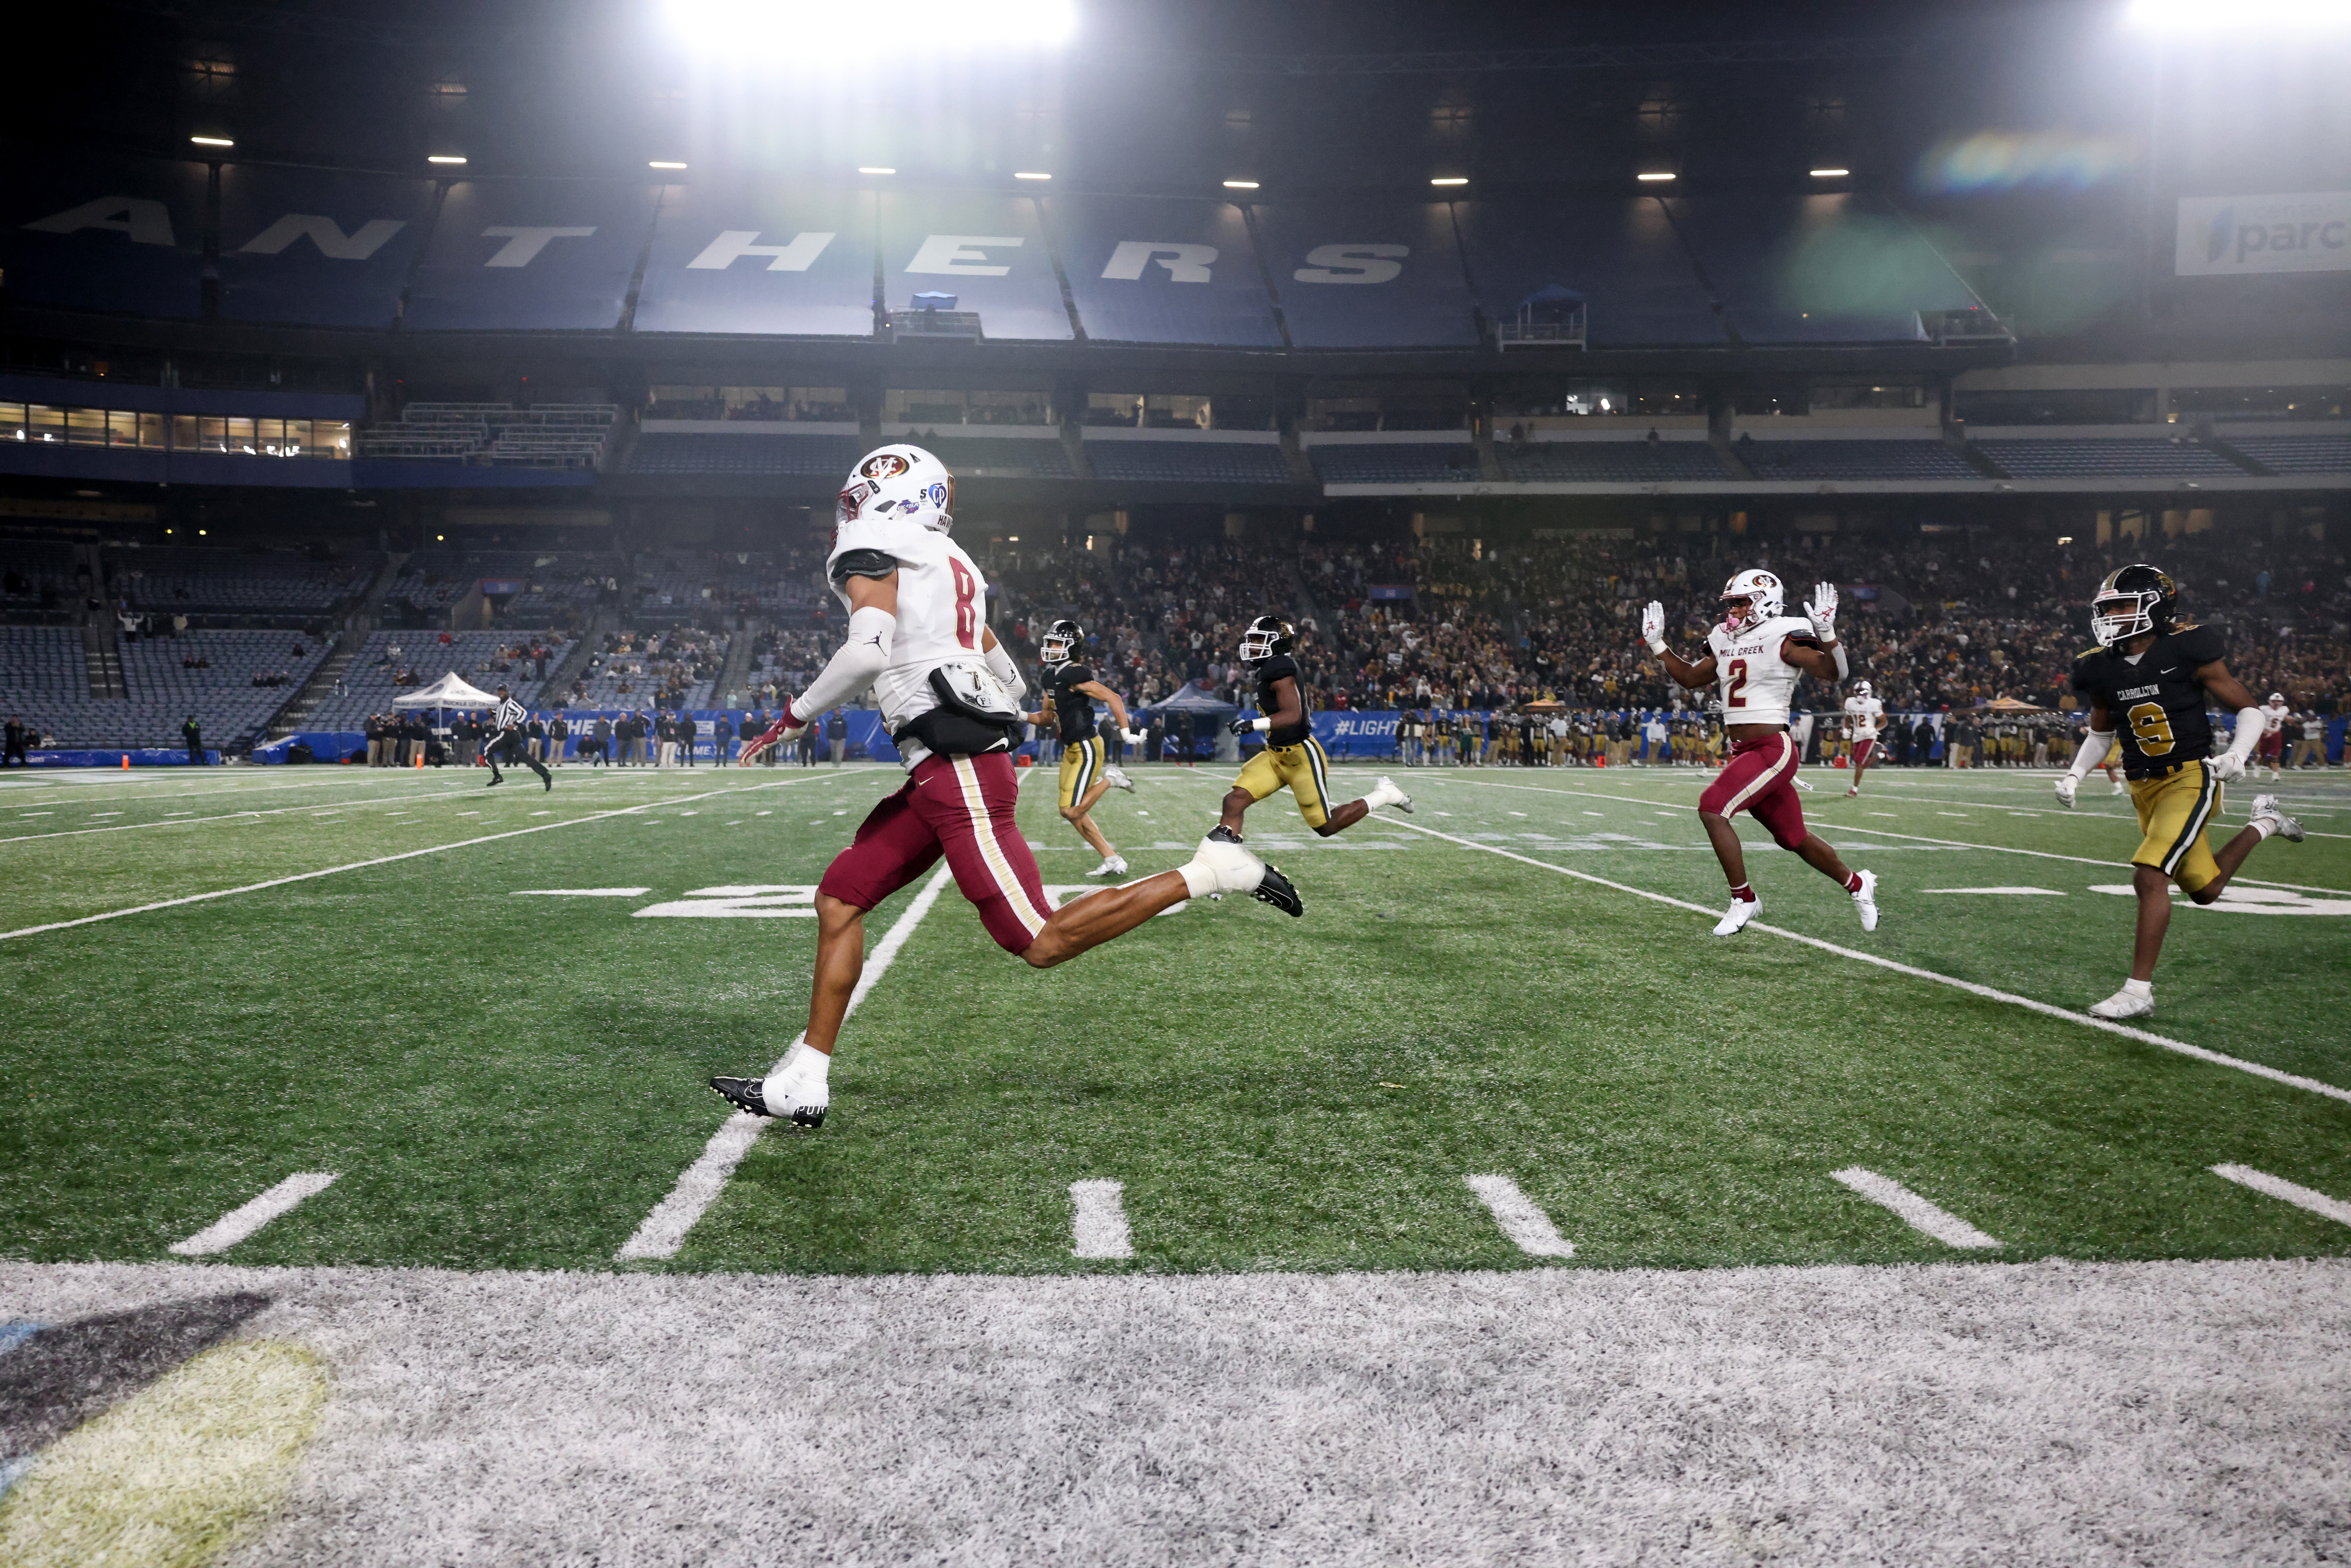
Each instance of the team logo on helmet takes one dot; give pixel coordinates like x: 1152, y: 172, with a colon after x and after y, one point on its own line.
x: 1267, y: 637
x: 1764, y: 597
x: 885, y: 466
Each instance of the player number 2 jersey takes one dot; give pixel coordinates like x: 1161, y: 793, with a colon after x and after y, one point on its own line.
x: 2156, y: 705
x: 1757, y: 684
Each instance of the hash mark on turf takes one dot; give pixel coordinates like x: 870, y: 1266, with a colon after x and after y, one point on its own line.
x: 2301, y: 1197
x: 1527, y: 1226
x: 1097, y: 1220
x: 1916, y: 1212
x: 249, y: 1217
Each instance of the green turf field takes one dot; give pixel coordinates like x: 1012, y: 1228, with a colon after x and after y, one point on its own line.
x: 505, y: 1080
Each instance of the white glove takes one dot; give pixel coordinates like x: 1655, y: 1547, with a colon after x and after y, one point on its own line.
x: 1133, y: 736
x: 1653, y: 627
x: 2228, y: 767
x: 2066, y: 785
x: 1821, y: 611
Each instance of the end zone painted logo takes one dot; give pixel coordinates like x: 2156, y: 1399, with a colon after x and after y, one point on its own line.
x: 2234, y: 236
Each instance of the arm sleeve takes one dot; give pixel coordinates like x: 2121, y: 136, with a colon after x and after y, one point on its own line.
x: 861, y: 657
x: 2250, y: 723
x: 2095, y: 743
x: 1001, y: 665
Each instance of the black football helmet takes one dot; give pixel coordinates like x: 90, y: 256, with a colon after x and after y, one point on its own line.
x: 2134, y: 600
x: 1267, y: 636
x: 1060, y: 642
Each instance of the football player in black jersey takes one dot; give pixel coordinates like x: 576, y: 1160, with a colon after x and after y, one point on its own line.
x: 1292, y: 756
x: 2148, y: 683
x: 1071, y: 691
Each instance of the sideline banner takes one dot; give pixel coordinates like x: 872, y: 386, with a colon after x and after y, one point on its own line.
x: 2234, y: 236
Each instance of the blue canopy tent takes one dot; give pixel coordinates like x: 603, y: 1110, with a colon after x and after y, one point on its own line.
x: 1192, y: 701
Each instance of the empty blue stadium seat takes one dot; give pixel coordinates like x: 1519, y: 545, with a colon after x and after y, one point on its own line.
x: 1853, y: 460
x: 2118, y: 457
x: 1396, y: 463
x: 2296, y: 454
x: 668, y: 452
x: 1609, y: 462
x: 1189, y: 462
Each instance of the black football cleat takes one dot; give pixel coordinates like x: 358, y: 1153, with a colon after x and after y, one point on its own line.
x: 1221, y: 834
x: 750, y: 1095
x: 494, y: 783
x: 548, y: 781
x: 743, y: 1094
x: 1277, y: 891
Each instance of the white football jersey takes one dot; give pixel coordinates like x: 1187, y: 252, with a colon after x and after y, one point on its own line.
x: 1864, y: 718
x: 1757, y: 683
x: 942, y: 610
x: 2273, y: 717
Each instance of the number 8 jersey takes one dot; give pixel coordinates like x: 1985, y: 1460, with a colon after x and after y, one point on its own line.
x: 1757, y: 682
x: 2155, y: 701
x: 942, y: 606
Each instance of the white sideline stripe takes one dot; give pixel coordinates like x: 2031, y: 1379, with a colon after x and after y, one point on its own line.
x: 249, y: 1217
x: 1844, y: 827
x: 2012, y: 892
x: 2301, y: 1197
x: 662, y: 1231
x: 1097, y: 1220
x: 225, y: 817
x: 1527, y: 1226
x: 578, y: 892
x: 2290, y: 1079
x: 387, y: 860
x: 1915, y: 1211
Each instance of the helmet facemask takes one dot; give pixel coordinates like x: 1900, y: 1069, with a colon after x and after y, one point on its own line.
x: 1264, y: 639
x: 2118, y: 616
x: 1058, y: 646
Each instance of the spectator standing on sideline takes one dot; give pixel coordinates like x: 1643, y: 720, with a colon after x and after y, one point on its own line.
x: 836, y: 730
x: 13, y: 749
x: 558, y: 731
x: 600, y: 734
x: 2310, y: 751
x: 685, y: 733
x: 196, y: 734
x: 809, y: 744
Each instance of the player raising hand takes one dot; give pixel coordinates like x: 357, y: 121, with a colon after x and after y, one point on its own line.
x: 1756, y: 656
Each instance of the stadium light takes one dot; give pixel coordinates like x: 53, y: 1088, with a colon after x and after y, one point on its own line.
x: 1653, y: 178
x: 1831, y: 174
x: 1450, y: 179
x: 2243, y: 15
x: 211, y: 141
x: 442, y: 157
x: 874, y: 168
x: 1240, y: 185
x: 663, y: 163
x: 820, y: 33
x: 1030, y: 175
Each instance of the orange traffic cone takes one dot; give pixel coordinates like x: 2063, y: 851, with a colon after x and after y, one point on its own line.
x: 126, y: 764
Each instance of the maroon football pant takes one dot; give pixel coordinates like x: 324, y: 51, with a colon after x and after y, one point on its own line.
x: 1761, y: 780
x: 959, y: 806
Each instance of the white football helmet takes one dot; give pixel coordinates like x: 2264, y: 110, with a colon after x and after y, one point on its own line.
x: 1765, y: 599
x: 898, y: 481
x: 1860, y: 689
x: 2278, y: 697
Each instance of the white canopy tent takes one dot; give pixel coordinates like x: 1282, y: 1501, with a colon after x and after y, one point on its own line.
x: 451, y: 690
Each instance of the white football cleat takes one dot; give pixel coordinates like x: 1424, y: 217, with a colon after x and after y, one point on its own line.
x: 1864, y: 899
x: 1852, y: 792
x: 2281, y: 826
x: 2124, y: 1004
x: 1736, y: 917
x: 2121, y: 787
x: 1114, y: 866
x: 1116, y: 778
x: 1385, y: 793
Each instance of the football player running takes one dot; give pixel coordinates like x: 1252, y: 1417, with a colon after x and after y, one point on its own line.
x: 1071, y: 691
x: 1864, y: 715
x: 2149, y: 682
x: 948, y: 693
x: 1756, y: 655
x: 2275, y: 713
x: 1293, y: 757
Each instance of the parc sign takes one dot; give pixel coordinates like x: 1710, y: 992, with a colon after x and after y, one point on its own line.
x: 2228, y: 236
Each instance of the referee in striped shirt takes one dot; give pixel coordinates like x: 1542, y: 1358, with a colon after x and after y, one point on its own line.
x: 507, y: 719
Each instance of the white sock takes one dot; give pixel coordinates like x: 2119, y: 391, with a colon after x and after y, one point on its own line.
x: 1199, y: 879
x: 2138, y: 988
x: 2264, y: 826
x: 805, y: 1066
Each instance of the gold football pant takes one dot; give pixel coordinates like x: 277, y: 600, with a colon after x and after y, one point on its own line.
x: 1081, y: 765
x: 1304, y: 767
x: 2172, y: 814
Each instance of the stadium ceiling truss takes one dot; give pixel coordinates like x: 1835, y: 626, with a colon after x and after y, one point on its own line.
x: 346, y: 28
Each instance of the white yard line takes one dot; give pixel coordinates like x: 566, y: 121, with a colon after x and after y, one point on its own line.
x: 2018, y: 809
x: 1097, y: 1220
x: 2218, y: 1059
x: 1916, y: 1212
x: 1525, y: 1223
x: 1885, y: 832
x: 247, y: 1217
x: 183, y: 822
x: 384, y: 860
x: 664, y: 1231
x: 2301, y: 1197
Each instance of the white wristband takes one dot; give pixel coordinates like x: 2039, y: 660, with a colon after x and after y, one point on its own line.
x: 1260, y: 723
x: 1657, y: 647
